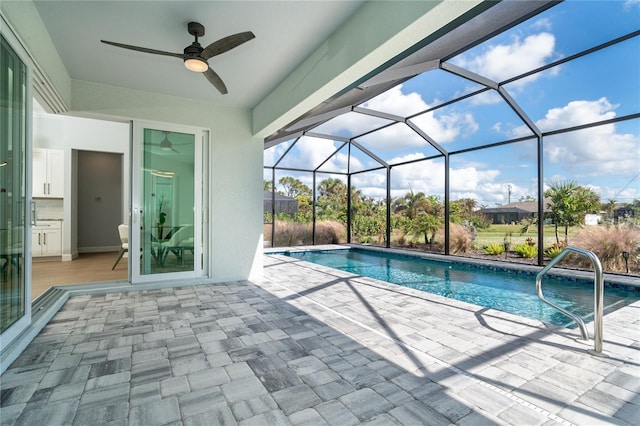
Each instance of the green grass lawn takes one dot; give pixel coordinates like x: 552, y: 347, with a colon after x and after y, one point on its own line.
x: 497, y: 233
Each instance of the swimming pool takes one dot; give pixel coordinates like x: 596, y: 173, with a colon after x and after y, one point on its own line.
x: 501, y: 290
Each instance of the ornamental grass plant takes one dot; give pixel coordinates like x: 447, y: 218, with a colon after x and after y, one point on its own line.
x: 608, y: 243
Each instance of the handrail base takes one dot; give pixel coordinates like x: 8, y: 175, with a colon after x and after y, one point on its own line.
x: 600, y: 354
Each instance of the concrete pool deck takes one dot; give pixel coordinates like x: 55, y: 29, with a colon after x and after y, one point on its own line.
x: 312, y: 345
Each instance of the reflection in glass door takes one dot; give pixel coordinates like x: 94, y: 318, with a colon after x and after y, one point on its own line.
x: 14, y: 306
x: 166, y: 203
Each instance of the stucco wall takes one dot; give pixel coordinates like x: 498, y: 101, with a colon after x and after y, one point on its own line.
x: 236, y: 166
x: 236, y: 156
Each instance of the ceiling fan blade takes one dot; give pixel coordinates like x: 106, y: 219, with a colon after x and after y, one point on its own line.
x: 226, y: 44
x: 143, y: 49
x: 215, y: 80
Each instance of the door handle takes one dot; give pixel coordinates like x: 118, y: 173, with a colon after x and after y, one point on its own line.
x: 49, y: 188
x: 39, y: 239
x: 45, y: 238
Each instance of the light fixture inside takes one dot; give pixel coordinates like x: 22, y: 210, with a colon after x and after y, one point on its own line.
x: 165, y: 144
x: 162, y: 173
x: 196, y: 64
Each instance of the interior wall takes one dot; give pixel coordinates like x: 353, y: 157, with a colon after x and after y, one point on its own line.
x: 235, y: 210
x: 99, y: 201
x: 71, y: 134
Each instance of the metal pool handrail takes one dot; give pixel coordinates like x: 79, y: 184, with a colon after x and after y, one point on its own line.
x: 598, y: 300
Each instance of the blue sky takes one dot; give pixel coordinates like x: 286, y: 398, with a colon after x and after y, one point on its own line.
x: 599, y: 86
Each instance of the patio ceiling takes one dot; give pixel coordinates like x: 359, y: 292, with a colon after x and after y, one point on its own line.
x: 286, y: 33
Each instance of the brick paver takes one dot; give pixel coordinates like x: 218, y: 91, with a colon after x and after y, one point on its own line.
x: 310, y: 345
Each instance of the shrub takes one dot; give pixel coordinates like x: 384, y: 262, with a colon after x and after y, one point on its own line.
x: 525, y: 250
x: 460, y: 239
x: 329, y: 232
x: 295, y: 234
x: 291, y: 234
x: 608, y: 243
x: 494, y: 248
x: 554, y: 250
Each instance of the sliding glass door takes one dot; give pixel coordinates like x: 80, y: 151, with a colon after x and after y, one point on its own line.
x: 15, y: 308
x: 166, y: 222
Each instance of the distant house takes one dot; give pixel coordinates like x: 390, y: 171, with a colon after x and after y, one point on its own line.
x: 512, y: 212
x: 625, y: 211
x: 592, y: 219
x: 283, y: 204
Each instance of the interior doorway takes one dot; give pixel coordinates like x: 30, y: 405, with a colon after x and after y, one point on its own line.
x: 99, y: 201
x: 98, y: 206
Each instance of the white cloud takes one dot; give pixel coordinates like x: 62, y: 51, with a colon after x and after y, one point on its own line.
x: 628, y: 4
x: 396, y: 137
x: 309, y: 153
x: 443, y: 128
x: 471, y: 178
x: 543, y: 24
x: 398, y: 103
x: 576, y: 113
x: 424, y: 176
x: 597, y: 151
x: 446, y: 128
x: 273, y: 154
x: 499, y: 62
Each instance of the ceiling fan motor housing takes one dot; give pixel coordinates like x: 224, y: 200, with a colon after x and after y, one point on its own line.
x: 193, y: 51
x: 195, y: 29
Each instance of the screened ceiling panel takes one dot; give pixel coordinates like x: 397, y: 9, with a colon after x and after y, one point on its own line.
x: 272, y: 155
x: 608, y: 152
x: 350, y: 125
x: 309, y: 152
x: 373, y: 184
x: 504, y: 173
x: 422, y: 92
x: 573, y: 23
x: 424, y: 176
x: 584, y: 90
x: 338, y: 162
x: 561, y: 31
x: 479, y: 120
x: 397, y: 144
x: 360, y: 161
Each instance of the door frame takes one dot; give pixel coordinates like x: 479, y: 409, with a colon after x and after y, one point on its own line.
x: 17, y: 328
x: 201, y: 191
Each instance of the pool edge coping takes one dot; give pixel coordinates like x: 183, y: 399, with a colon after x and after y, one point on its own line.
x: 609, y: 278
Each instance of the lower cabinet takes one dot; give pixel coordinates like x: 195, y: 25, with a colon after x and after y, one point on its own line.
x: 46, y: 240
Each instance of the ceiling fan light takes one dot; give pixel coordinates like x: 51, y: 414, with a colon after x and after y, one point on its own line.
x: 196, y: 65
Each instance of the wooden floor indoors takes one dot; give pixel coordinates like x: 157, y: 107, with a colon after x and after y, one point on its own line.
x: 86, y: 268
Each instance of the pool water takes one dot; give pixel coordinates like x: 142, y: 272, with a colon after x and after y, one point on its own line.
x: 501, y: 290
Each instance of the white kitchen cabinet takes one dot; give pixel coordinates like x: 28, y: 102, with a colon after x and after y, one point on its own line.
x: 48, y: 173
x: 46, y: 239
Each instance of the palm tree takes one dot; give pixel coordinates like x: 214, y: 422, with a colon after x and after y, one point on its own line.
x: 568, y: 203
x: 411, y: 204
x: 332, y: 199
x: 425, y: 225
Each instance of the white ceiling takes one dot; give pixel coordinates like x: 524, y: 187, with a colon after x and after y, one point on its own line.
x: 286, y: 33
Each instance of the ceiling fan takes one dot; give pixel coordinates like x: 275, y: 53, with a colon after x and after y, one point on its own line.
x: 165, y: 144
x: 195, y: 57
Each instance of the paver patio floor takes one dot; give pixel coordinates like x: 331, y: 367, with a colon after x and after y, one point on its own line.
x: 309, y: 345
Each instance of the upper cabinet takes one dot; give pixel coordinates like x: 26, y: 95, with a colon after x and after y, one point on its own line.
x: 48, y: 173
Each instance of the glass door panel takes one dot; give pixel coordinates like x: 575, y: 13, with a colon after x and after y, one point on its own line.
x: 14, y: 199
x: 167, y: 197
